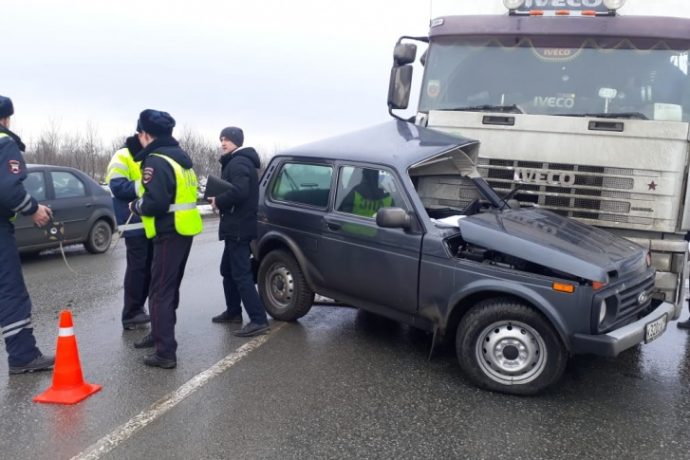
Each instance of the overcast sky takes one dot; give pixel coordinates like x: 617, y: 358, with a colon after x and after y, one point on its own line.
x: 287, y: 72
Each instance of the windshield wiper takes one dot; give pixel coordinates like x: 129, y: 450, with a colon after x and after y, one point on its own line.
x: 487, y: 108
x: 629, y: 115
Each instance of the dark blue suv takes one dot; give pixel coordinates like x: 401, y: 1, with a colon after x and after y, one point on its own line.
x: 396, y: 220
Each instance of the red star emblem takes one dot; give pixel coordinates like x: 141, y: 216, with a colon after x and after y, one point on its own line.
x: 652, y: 185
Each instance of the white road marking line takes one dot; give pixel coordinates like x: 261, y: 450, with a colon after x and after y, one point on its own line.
x: 160, y: 407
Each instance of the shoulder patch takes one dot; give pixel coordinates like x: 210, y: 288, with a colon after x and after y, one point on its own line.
x: 14, y: 166
x: 147, y: 175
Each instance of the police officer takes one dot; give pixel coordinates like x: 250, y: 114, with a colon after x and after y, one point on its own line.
x: 366, y: 198
x: 171, y: 219
x: 15, y: 304
x: 124, y: 180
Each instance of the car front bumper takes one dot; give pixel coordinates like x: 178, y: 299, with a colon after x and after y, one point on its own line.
x: 628, y: 336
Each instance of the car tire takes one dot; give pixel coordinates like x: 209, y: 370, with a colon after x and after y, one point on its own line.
x: 283, y: 288
x: 508, y: 347
x: 100, y: 237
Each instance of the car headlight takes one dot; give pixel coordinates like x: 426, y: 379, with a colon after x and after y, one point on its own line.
x: 602, y: 312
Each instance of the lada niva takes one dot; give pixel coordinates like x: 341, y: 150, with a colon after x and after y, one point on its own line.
x: 396, y: 220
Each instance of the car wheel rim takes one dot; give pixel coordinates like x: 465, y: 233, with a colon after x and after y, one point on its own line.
x: 281, y: 285
x: 511, y: 352
x: 100, y: 237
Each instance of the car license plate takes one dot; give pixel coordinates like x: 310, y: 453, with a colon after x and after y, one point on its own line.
x: 654, y: 329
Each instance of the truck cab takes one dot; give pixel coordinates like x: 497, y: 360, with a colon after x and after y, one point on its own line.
x: 580, y: 110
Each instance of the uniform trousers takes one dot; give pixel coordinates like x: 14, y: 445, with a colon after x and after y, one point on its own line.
x: 137, y: 275
x: 15, y: 304
x: 170, y: 253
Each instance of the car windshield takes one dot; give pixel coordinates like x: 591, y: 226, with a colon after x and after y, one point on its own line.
x: 558, y: 76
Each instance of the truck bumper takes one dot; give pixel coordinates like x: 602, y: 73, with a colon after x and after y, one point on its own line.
x: 614, y: 342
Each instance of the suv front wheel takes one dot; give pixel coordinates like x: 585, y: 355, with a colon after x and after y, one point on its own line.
x: 505, y: 346
x: 283, y: 288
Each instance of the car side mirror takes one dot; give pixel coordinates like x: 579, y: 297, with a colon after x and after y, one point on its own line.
x: 393, y: 218
x: 399, y: 87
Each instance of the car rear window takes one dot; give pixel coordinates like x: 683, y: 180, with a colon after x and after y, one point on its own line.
x: 308, y: 184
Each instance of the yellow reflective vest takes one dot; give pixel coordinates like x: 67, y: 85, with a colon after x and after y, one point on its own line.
x: 187, y: 216
x: 368, y: 208
x: 122, y: 165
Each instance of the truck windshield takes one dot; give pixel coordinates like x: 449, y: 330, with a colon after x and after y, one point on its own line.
x: 576, y: 77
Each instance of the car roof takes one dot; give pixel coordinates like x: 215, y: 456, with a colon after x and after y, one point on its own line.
x: 396, y: 143
x: 35, y: 165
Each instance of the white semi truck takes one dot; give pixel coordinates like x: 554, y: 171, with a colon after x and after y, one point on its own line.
x: 579, y: 109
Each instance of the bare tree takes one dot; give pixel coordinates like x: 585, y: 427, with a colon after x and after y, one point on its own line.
x: 86, y: 151
x: 46, y: 148
x: 203, y: 153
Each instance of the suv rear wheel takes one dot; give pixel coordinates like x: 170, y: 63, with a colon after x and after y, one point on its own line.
x: 505, y: 346
x: 99, y: 237
x: 283, y: 288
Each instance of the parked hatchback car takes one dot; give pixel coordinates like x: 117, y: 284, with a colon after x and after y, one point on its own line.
x: 381, y: 220
x: 82, y: 208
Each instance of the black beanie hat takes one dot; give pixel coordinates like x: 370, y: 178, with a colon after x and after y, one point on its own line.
x: 234, y: 135
x: 6, y: 107
x: 155, y: 122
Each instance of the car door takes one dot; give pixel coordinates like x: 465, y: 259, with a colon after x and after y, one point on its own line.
x: 28, y: 234
x: 360, y: 259
x: 72, y: 203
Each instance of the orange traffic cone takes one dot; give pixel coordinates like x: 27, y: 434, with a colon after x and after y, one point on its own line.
x: 68, y: 382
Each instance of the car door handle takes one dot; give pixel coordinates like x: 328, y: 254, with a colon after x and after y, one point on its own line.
x: 335, y: 226
x: 87, y: 205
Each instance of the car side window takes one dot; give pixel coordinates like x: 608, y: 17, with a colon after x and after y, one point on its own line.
x: 363, y: 191
x: 35, y: 185
x: 308, y: 184
x: 67, y: 185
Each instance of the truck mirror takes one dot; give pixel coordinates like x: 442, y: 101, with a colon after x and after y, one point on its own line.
x: 399, y: 87
x: 404, y: 53
x: 393, y: 218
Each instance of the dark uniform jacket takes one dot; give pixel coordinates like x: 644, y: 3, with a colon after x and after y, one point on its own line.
x: 124, y: 192
x: 13, y: 196
x: 159, y: 181
x: 238, y: 206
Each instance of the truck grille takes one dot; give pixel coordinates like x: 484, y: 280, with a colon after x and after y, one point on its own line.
x: 594, y: 193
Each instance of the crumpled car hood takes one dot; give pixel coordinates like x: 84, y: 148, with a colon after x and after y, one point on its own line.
x: 545, y: 238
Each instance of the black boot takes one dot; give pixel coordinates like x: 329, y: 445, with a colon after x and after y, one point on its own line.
x: 154, y: 360
x: 145, y: 342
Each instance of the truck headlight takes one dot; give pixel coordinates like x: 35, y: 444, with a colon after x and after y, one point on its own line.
x: 513, y: 4
x: 614, y: 4
x: 602, y: 312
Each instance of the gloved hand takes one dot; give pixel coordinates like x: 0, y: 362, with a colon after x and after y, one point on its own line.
x: 135, y: 207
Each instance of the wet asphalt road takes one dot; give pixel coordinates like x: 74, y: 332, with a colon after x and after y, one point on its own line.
x: 340, y: 383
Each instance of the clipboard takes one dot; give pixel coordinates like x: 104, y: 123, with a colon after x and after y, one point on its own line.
x: 215, y: 186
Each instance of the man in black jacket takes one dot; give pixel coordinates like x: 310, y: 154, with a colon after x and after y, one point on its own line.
x: 238, y: 207
x: 15, y: 303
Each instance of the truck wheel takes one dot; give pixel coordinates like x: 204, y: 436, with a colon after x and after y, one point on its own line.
x: 505, y: 346
x: 99, y: 237
x: 283, y: 288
